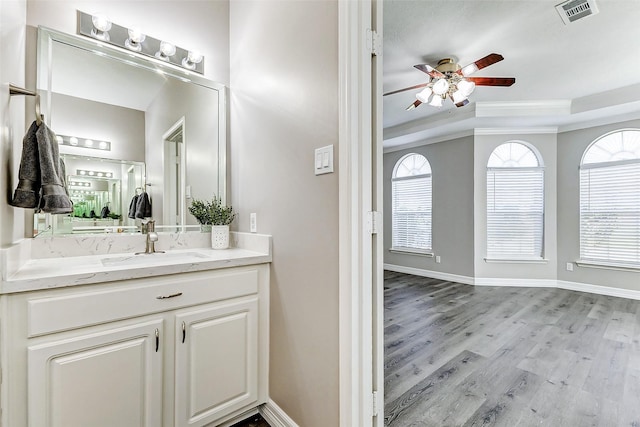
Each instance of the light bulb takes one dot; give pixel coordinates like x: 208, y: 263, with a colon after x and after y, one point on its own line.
x: 88, y: 143
x: 436, y: 101
x: 73, y: 141
x: 466, y: 87
x: 423, y: 96
x: 136, y: 37
x: 458, y: 96
x: 469, y: 69
x: 166, y: 50
x: 103, y: 145
x: 440, y: 87
x: 91, y: 173
x: 59, y: 140
x: 82, y: 172
x: 193, y: 58
x: 101, y: 26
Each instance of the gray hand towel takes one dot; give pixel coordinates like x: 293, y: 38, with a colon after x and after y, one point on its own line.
x: 143, y: 206
x: 27, y: 194
x: 132, y: 207
x: 41, y: 180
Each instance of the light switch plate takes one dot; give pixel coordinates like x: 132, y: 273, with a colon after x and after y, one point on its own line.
x: 324, y: 160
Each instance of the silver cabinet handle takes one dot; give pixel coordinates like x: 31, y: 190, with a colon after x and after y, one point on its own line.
x: 184, y: 332
x: 157, y: 339
x: 177, y: 294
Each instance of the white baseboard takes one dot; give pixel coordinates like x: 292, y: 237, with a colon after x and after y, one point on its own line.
x: 527, y: 283
x: 275, y: 416
x: 430, y: 273
x: 601, y: 290
x: 522, y: 283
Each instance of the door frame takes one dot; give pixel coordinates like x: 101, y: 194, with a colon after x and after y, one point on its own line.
x: 360, y: 193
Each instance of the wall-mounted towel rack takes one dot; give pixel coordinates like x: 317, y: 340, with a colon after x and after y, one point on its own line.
x: 16, y: 90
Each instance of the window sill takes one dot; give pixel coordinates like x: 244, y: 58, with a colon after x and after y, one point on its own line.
x: 409, y: 251
x: 517, y: 261
x: 607, y: 266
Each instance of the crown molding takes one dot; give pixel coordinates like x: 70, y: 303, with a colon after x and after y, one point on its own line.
x: 523, y: 108
x: 428, y: 141
x: 516, y: 131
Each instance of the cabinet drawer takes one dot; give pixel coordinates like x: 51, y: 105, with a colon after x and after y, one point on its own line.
x: 136, y: 298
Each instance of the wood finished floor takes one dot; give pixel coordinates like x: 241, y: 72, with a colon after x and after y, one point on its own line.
x: 459, y: 355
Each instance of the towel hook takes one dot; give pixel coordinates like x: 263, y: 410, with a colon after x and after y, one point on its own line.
x: 16, y: 90
x: 39, y: 116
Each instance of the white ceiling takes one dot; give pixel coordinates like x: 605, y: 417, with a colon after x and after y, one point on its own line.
x: 567, y: 76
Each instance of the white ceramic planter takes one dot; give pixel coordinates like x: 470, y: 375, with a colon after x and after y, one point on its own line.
x: 219, y: 236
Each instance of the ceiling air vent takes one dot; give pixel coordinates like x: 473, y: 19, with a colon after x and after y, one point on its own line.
x: 572, y: 10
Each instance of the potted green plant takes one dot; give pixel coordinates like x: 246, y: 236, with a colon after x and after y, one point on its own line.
x: 216, y: 215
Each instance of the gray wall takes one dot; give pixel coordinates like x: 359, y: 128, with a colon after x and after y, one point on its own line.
x: 484, y: 145
x: 452, y: 168
x: 284, y: 104
x: 121, y: 126
x: 571, y: 147
x: 561, y: 155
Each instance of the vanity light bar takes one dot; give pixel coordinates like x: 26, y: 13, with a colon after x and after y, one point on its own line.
x: 74, y: 141
x: 79, y: 184
x: 99, y: 27
x: 94, y: 174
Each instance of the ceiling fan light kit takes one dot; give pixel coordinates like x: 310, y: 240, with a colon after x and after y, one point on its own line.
x: 449, y: 80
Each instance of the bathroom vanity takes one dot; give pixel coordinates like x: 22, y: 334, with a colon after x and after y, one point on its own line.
x: 115, y: 339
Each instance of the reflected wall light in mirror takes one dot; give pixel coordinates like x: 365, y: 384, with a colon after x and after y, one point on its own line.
x: 79, y: 184
x: 74, y: 141
x: 99, y: 27
x: 98, y: 174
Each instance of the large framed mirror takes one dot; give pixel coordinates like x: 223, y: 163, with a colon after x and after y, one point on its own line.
x: 118, y: 112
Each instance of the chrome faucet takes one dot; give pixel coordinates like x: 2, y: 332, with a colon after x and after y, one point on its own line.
x: 148, y: 228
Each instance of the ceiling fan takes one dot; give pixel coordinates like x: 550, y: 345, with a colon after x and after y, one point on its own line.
x: 450, y: 80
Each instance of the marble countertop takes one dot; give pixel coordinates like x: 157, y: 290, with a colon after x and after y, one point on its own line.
x: 55, y: 272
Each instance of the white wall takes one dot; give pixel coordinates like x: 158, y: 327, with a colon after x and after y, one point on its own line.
x: 199, y: 107
x: 483, y: 147
x: 12, y: 115
x: 284, y: 104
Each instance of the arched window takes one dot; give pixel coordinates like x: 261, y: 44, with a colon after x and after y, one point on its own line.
x: 515, y: 203
x: 610, y: 199
x: 411, y: 204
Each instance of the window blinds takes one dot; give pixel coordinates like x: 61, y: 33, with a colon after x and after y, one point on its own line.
x: 610, y: 213
x: 515, y: 213
x: 412, y: 213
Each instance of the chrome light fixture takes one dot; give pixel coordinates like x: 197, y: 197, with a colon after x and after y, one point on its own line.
x: 74, y: 141
x: 193, y: 58
x: 134, y: 42
x: 166, y: 51
x: 99, y: 27
x: 94, y: 174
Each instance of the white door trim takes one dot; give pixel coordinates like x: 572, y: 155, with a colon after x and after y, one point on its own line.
x: 355, y: 201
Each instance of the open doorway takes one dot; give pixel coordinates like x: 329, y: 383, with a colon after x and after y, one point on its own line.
x: 174, y: 143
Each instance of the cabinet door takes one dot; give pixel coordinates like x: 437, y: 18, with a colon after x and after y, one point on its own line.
x: 107, y: 378
x: 216, y: 361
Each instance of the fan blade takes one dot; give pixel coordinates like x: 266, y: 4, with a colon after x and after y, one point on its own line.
x: 406, y: 88
x: 414, y: 105
x: 492, y: 81
x: 462, y: 103
x: 425, y: 68
x: 481, y: 63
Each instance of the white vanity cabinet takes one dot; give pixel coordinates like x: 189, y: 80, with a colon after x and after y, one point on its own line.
x: 185, y: 349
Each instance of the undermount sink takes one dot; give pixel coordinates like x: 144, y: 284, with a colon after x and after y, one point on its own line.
x: 142, y: 259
